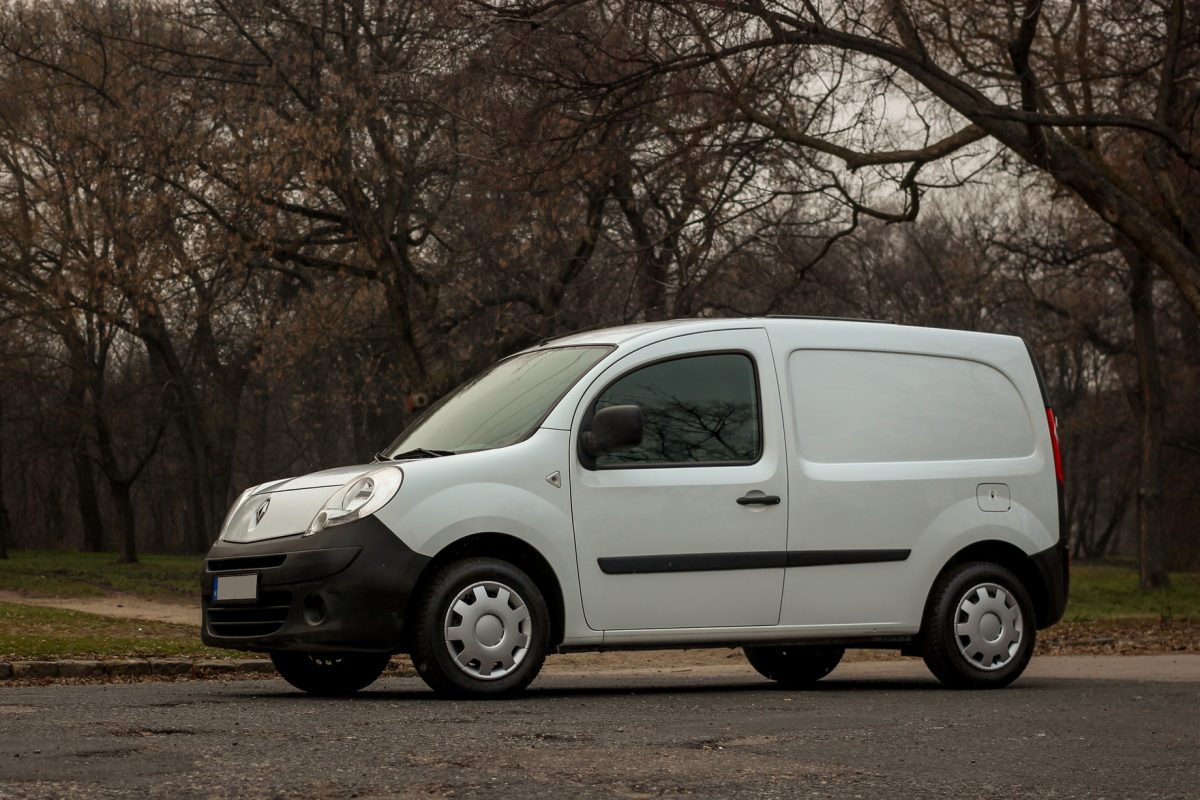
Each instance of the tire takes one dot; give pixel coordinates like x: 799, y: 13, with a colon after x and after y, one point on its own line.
x: 797, y: 666
x: 331, y: 675
x: 482, y: 630
x: 979, y: 627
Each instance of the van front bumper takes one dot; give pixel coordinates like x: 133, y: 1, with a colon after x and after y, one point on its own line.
x: 345, y: 589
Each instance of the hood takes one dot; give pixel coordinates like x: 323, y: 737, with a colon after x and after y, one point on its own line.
x: 287, y: 507
x: 316, y: 480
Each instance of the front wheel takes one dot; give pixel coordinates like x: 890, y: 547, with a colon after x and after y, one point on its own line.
x: 978, y: 631
x: 797, y: 666
x: 482, y: 630
x: 330, y: 675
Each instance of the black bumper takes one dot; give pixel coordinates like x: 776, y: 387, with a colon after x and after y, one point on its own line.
x: 345, y: 589
x: 1054, y: 565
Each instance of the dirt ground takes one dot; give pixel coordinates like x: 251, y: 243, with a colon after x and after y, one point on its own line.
x: 123, y: 606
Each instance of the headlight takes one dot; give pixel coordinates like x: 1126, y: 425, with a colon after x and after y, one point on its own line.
x: 233, y: 509
x: 359, y: 498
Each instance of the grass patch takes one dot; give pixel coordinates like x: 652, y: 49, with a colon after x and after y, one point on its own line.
x: 29, y: 632
x: 55, y: 573
x: 1108, y: 591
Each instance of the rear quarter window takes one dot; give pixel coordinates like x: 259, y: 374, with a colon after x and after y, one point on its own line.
x: 857, y: 406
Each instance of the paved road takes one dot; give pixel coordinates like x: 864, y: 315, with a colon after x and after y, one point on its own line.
x: 1073, y: 727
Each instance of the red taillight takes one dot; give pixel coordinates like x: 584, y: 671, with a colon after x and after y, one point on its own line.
x: 1053, y: 422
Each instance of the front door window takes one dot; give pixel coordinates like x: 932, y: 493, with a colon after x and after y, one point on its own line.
x: 697, y: 410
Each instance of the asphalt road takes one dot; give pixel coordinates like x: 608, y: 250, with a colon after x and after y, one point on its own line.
x: 1104, y: 727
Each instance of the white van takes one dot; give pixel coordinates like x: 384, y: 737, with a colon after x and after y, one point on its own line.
x: 793, y: 486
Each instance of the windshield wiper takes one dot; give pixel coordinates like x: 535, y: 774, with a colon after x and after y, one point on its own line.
x: 419, y: 452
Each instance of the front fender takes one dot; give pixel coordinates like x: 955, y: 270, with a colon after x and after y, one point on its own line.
x: 446, y: 516
x: 456, y: 512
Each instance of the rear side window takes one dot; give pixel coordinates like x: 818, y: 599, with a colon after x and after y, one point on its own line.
x: 854, y: 406
x: 698, y: 410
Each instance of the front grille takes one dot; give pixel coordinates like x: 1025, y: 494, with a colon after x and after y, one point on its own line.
x: 246, y: 562
x: 262, y: 618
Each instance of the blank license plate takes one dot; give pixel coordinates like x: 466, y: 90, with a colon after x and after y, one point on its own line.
x: 235, y: 587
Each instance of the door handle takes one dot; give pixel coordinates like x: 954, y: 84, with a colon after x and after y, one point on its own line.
x: 758, y: 500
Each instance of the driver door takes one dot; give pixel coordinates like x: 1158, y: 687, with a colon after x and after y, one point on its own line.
x: 689, y: 529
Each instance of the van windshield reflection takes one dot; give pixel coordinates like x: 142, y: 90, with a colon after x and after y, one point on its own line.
x: 498, y: 407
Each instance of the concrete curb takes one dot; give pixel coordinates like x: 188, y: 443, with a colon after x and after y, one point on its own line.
x: 132, y: 667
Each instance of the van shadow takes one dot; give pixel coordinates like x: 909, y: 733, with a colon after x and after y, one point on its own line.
x: 594, y: 688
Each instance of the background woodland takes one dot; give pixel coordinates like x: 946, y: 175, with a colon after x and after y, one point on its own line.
x: 245, y: 240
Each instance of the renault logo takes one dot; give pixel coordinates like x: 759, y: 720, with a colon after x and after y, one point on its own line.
x: 262, y: 511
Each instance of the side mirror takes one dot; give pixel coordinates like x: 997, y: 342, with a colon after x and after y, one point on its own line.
x: 613, y: 429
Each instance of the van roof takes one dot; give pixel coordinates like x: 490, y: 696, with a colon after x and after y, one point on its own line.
x: 623, y: 333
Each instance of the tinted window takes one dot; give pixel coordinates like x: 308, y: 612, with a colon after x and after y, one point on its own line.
x: 701, y: 409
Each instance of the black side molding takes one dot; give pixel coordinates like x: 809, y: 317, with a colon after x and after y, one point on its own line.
x: 765, y: 559
x: 824, y: 558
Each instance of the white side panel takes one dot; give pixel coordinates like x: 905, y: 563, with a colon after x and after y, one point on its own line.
x: 888, y: 439
x: 858, y: 406
x: 497, y: 491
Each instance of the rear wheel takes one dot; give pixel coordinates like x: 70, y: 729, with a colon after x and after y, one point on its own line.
x: 330, y: 675
x: 978, y: 631
x: 794, y: 665
x: 482, y: 630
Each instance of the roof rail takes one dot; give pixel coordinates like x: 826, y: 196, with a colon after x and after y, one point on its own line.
x: 836, y: 319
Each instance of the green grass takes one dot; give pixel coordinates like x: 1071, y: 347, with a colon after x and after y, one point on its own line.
x: 32, y: 633
x: 49, y: 573
x: 1108, y: 591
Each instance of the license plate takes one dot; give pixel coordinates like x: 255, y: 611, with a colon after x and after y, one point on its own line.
x: 231, y: 588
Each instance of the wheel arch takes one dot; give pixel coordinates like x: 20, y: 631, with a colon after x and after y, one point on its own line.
x: 1016, y: 561
x: 506, y: 548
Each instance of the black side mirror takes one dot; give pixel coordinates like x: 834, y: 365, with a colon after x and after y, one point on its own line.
x: 613, y: 429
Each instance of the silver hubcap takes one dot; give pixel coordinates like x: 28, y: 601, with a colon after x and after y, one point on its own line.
x: 488, y: 628
x: 988, y: 626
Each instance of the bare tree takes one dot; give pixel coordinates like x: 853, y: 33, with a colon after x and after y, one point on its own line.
x: 1067, y: 88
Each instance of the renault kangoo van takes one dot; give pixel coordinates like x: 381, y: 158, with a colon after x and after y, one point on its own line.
x: 790, y: 486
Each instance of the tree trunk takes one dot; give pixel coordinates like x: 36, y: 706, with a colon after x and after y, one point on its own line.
x: 207, y: 423
x: 5, y: 528
x: 89, y: 506
x: 126, y: 528
x: 85, y: 482
x: 188, y: 413
x: 5, y: 523
x: 1149, y: 403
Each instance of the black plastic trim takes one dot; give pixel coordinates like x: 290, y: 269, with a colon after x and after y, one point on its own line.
x: 832, y: 319
x: 245, y: 563
x: 1054, y: 565
x: 825, y: 558
x: 1037, y: 371
x: 360, y: 575
x: 759, y: 500
x: 765, y: 559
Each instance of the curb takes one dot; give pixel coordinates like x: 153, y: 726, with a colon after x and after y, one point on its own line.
x: 132, y: 667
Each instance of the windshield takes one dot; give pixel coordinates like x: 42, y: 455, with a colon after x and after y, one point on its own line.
x: 500, y: 406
